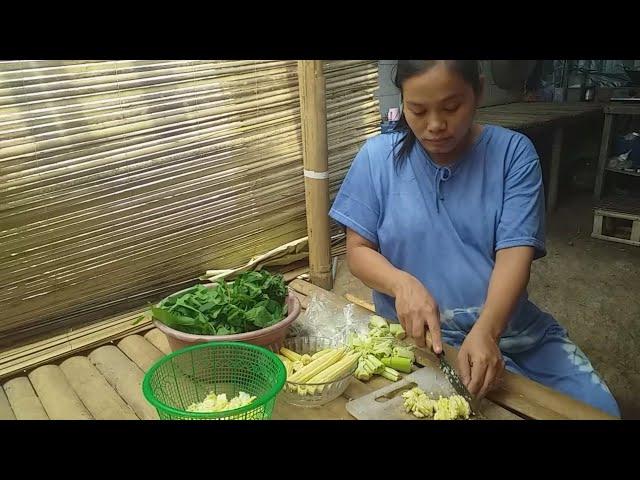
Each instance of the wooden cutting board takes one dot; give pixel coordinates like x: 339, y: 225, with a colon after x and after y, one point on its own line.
x: 377, y: 405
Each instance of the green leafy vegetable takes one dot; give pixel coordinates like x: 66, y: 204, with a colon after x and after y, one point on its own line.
x: 253, y: 301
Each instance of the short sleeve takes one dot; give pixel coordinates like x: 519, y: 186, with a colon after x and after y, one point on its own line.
x: 522, y: 220
x: 356, y: 206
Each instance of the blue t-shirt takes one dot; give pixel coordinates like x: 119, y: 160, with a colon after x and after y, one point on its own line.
x: 443, y: 225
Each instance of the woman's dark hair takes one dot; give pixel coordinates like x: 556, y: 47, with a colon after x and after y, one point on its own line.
x: 469, y: 70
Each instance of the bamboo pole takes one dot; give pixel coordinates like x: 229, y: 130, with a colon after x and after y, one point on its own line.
x: 315, y: 151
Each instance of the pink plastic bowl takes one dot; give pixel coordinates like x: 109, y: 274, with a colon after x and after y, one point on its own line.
x: 270, y: 337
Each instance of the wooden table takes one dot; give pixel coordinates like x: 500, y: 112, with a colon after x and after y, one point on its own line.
x: 104, y: 383
x: 523, y: 116
x: 524, y: 397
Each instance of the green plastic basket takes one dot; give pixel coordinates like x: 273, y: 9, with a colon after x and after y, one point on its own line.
x: 187, y: 376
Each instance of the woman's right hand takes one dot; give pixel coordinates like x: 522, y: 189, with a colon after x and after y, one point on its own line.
x: 417, y: 311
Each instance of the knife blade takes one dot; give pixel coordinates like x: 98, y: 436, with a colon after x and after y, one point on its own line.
x: 457, y: 384
x: 454, y: 379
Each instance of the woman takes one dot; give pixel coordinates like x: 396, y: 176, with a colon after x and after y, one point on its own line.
x: 444, y: 218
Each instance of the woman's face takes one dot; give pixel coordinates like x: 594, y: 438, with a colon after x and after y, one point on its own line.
x: 439, y: 107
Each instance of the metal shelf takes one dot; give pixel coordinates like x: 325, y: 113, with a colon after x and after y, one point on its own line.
x: 611, y: 110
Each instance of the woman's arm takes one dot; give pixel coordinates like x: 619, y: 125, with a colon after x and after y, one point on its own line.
x: 519, y: 239
x: 480, y: 361
x: 508, y: 282
x: 415, y: 306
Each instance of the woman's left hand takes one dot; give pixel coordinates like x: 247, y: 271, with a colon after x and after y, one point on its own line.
x: 480, y: 362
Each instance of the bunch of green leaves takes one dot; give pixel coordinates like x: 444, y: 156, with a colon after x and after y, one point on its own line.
x: 254, y: 300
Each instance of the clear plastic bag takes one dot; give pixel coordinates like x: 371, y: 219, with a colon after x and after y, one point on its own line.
x: 323, y: 318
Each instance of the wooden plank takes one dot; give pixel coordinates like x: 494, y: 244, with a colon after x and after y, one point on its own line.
x: 524, y: 115
x: 58, y: 397
x: 24, y: 402
x: 361, y: 303
x: 605, y: 144
x: 102, y: 401
x: 565, y: 108
x: 635, y: 231
x: 159, y: 340
x: 50, y: 349
x: 140, y: 351
x: 619, y: 204
x: 514, y: 116
x: 510, y: 122
x: 516, y: 388
x: 533, y: 108
x: 616, y: 239
x: 622, y: 109
x: 614, y: 214
x: 125, y: 377
x: 81, y: 337
x: 597, y: 224
x: 293, y: 274
x: 519, y: 404
x: 556, y: 159
x: 6, y: 412
x: 304, y: 300
x: 542, y: 397
x: 622, y: 172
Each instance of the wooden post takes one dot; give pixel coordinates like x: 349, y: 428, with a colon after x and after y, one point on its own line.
x: 315, y: 151
x: 605, y: 144
x: 554, y: 176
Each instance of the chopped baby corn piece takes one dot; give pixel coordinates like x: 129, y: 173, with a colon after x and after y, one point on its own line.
x: 402, y: 364
x: 316, y: 366
x: 420, y: 405
x: 290, y: 354
x: 295, y: 366
x: 337, y: 370
x: 320, y: 353
x: 325, y: 366
x: 288, y: 364
x: 397, y: 331
x: 219, y: 403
